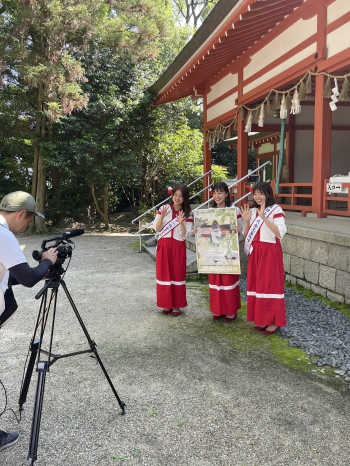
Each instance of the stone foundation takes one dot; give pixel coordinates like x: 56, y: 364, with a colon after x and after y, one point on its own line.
x: 318, y: 261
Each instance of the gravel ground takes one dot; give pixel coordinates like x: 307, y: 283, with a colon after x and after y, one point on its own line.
x: 318, y: 329
x: 192, y: 398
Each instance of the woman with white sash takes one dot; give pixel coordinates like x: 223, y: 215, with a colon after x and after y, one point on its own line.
x: 264, y: 228
x: 173, y: 223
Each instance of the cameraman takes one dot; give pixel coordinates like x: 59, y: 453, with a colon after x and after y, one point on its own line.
x: 17, y: 210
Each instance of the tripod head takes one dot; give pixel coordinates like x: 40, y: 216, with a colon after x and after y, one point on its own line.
x: 64, y: 246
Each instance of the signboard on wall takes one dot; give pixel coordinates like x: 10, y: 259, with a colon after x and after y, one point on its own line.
x: 334, y: 188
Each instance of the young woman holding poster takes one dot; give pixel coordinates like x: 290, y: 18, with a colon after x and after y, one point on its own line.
x: 173, y: 223
x: 264, y: 227
x: 224, y: 292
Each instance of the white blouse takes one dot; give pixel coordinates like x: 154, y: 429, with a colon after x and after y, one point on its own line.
x: 278, y: 218
x: 175, y: 232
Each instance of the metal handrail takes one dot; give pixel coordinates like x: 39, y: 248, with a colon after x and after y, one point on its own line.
x: 235, y: 184
x: 196, y: 194
x: 165, y: 200
x: 145, y: 227
x: 246, y: 195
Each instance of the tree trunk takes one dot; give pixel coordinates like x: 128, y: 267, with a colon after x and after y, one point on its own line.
x: 105, y: 217
x: 39, y: 173
x: 41, y: 196
x: 35, y: 165
x: 105, y: 205
x: 56, y: 192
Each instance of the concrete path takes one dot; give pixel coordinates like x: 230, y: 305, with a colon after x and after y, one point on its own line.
x: 194, y: 397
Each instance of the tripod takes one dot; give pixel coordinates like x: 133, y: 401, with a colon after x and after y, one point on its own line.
x: 44, y: 363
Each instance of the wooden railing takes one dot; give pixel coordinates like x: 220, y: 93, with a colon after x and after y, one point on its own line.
x: 337, y: 203
x: 298, y: 197
x: 295, y: 196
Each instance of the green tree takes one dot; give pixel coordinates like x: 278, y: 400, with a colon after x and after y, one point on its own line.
x: 193, y: 12
x: 39, y: 43
x: 104, y: 141
x: 224, y: 155
x: 120, y: 145
x: 15, y: 146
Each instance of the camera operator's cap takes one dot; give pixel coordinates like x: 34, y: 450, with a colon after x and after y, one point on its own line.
x: 19, y: 200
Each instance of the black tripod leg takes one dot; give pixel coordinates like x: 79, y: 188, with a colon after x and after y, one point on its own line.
x: 121, y: 403
x: 42, y: 369
x: 34, y: 348
x: 23, y: 395
x: 93, y: 346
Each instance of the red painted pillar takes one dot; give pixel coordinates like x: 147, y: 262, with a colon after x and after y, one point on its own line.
x: 242, y: 143
x: 207, y: 167
x: 322, y: 146
x: 206, y: 152
x: 242, y: 155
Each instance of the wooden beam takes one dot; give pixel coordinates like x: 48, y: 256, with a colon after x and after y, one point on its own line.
x: 322, y: 147
x: 242, y: 145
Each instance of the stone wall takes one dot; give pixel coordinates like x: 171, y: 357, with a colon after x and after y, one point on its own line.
x: 318, y: 261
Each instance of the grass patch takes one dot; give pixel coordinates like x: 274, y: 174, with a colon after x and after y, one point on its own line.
x: 135, y: 245
x: 292, y: 357
x: 241, y: 336
x: 197, y: 277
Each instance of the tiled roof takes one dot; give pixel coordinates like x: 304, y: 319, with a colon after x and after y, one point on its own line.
x: 228, y: 32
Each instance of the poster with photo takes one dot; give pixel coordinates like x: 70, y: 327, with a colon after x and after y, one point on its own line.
x: 217, y: 242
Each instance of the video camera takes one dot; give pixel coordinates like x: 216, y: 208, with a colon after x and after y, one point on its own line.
x: 63, y: 244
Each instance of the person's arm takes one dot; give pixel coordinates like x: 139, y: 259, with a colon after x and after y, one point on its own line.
x: 188, y: 222
x: 182, y: 220
x: 22, y: 274
x: 279, y: 222
x: 246, y: 215
x: 240, y: 222
x: 276, y: 224
x: 158, y: 222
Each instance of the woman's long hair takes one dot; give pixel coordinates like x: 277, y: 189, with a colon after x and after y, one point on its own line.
x: 221, y: 186
x: 186, y: 207
x: 264, y: 188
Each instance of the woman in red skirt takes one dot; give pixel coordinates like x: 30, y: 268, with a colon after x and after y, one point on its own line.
x: 264, y: 227
x: 224, y: 291
x: 173, y: 223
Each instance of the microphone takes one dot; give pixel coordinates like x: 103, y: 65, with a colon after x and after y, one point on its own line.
x: 72, y: 233
x: 59, y: 240
x: 67, y: 235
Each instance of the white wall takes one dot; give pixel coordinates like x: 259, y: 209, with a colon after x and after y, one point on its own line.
x: 222, y: 107
x: 287, y: 40
x: 224, y: 85
x: 337, y: 10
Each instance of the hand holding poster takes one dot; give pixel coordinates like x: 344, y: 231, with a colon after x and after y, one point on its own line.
x: 217, y: 242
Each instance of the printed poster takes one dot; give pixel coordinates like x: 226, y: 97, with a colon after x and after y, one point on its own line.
x: 217, y: 242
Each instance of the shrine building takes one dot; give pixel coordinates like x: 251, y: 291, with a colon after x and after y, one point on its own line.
x: 274, y: 73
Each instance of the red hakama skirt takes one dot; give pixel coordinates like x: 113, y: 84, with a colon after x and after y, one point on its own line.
x: 171, y: 273
x: 224, y: 294
x: 265, y: 285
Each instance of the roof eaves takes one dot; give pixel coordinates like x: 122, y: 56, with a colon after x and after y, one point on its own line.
x: 211, y: 23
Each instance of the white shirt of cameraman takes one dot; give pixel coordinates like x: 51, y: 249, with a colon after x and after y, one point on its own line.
x: 10, y: 255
